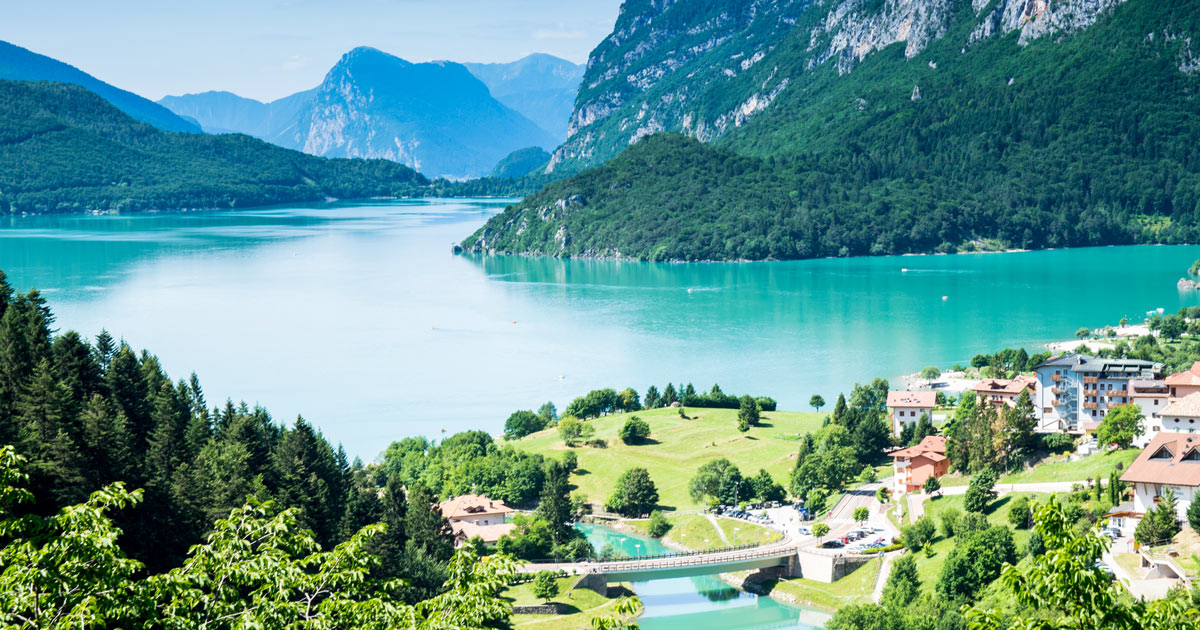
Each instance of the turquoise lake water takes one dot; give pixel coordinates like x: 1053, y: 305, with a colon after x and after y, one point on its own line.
x: 698, y: 603
x: 359, y: 316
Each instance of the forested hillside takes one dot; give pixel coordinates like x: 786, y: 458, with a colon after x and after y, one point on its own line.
x: 87, y: 414
x: 1050, y: 133
x: 64, y: 149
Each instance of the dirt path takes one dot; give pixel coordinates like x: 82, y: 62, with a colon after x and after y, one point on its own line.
x: 717, y: 526
x: 881, y: 580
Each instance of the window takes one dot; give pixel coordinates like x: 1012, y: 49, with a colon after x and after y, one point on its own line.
x: 1192, y: 455
x: 1162, y: 453
x: 1047, y: 410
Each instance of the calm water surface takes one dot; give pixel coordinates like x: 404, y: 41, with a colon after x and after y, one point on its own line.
x: 360, y: 318
x: 699, y: 603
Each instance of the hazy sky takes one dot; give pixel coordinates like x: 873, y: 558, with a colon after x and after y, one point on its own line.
x: 266, y: 49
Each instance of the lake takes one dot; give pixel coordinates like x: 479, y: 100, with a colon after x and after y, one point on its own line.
x: 359, y: 317
x: 702, y: 602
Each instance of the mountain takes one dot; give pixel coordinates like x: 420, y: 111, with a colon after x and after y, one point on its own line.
x: 435, y: 117
x: 65, y: 149
x: 863, y: 127
x: 20, y: 64
x: 541, y: 87
x: 226, y: 112
x: 521, y: 162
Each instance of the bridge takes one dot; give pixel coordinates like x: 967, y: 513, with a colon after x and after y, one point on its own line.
x: 780, y: 554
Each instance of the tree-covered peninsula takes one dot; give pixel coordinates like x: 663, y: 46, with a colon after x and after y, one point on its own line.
x: 65, y: 149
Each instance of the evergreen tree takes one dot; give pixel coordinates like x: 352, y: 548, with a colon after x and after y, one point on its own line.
x: 748, y: 411
x: 903, y: 584
x: 1020, y: 424
x: 839, y: 410
x: 424, y: 526
x: 555, y: 505
x: 669, y: 396
x: 652, y: 399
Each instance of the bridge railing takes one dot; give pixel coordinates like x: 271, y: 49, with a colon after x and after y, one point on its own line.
x: 657, y: 556
x: 690, y: 560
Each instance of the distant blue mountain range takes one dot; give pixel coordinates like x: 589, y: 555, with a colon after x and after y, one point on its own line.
x: 20, y: 64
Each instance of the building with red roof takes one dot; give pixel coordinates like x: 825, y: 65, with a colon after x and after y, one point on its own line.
x: 913, y: 465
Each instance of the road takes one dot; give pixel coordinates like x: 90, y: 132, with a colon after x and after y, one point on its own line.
x: 1004, y: 488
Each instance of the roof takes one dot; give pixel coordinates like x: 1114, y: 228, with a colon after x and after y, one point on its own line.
x: 932, y: 447
x: 1091, y: 425
x: 489, y: 533
x: 1141, y: 388
x: 1172, y: 469
x: 469, y: 505
x: 922, y: 400
x: 1012, y: 386
x: 1115, y: 368
x: 1186, y: 407
x: 1125, y: 509
x: 1189, y: 377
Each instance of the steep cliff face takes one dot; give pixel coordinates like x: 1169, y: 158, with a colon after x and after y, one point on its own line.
x: 435, y: 117
x: 703, y: 67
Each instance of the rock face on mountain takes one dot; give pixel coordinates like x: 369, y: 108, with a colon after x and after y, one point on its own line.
x: 435, y: 117
x: 704, y: 67
x: 20, y: 64
x: 873, y: 127
x: 541, y: 87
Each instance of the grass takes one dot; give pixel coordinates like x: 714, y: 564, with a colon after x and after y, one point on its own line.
x: 677, y: 447
x: 1098, y: 465
x: 856, y: 588
x: 696, y: 532
x: 582, y: 605
x: 930, y: 568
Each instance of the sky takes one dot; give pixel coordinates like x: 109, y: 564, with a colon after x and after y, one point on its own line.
x: 266, y: 49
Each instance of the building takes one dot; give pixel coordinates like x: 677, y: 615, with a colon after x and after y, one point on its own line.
x: 913, y: 465
x: 1072, y: 389
x: 1171, y: 460
x: 1180, y: 416
x: 906, y: 408
x: 1184, y: 384
x: 473, y: 515
x: 1005, y: 391
x: 1152, y: 395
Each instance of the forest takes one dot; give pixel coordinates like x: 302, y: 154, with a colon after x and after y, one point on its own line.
x: 65, y: 149
x: 1079, y: 140
x: 104, y: 440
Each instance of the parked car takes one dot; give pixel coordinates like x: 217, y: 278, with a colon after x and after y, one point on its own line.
x: 833, y: 544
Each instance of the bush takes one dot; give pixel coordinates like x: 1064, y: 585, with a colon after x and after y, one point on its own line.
x: 748, y: 411
x: 634, y: 431
x: 572, y: 429
x: 970, y: 523
x: 916, y: 535
x: 1058, y: 442
x: 1019, y: 513
x: 658, y: 525
x: 950, y: 519
x: 545, y: 586
x: 766, y: 403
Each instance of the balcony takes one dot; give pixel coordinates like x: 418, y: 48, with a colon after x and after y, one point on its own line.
x: 1054, y: 390
x: 1118, y: 392
x: 1056, y: 377
x: 1091, y: 392
x: 1091, y: 380
x: 1088, y: 405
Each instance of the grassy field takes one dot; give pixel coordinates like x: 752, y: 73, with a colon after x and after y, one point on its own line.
x: 582, y: 605
x: 696, y: 532
x: 677, y: 447
x: 929, y: 568
x: 1056, y: 468
x: 855, y: 588
x: 1098, y: 465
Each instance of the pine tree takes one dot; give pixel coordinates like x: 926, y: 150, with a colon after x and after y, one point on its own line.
x: 903, y: 584
x: 105, y: 349
x: 839, y: 410
x: 128, y: 390
x: 424, y: 525
x: 555, y: 505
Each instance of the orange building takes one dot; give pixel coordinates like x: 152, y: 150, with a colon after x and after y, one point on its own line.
x: 913, y: 465
x: 1182, y: 384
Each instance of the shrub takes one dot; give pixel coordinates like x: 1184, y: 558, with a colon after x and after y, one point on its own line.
x: 1019, y: 513
x: 1058, y: 442
x: 658, y: 525
x: 634, y: 431
x: 545, y: 586
x: 950, y: 519
x: 916, y: 535
x: 767, y: 403
x: 572, y: 429
x: 969, y: 523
